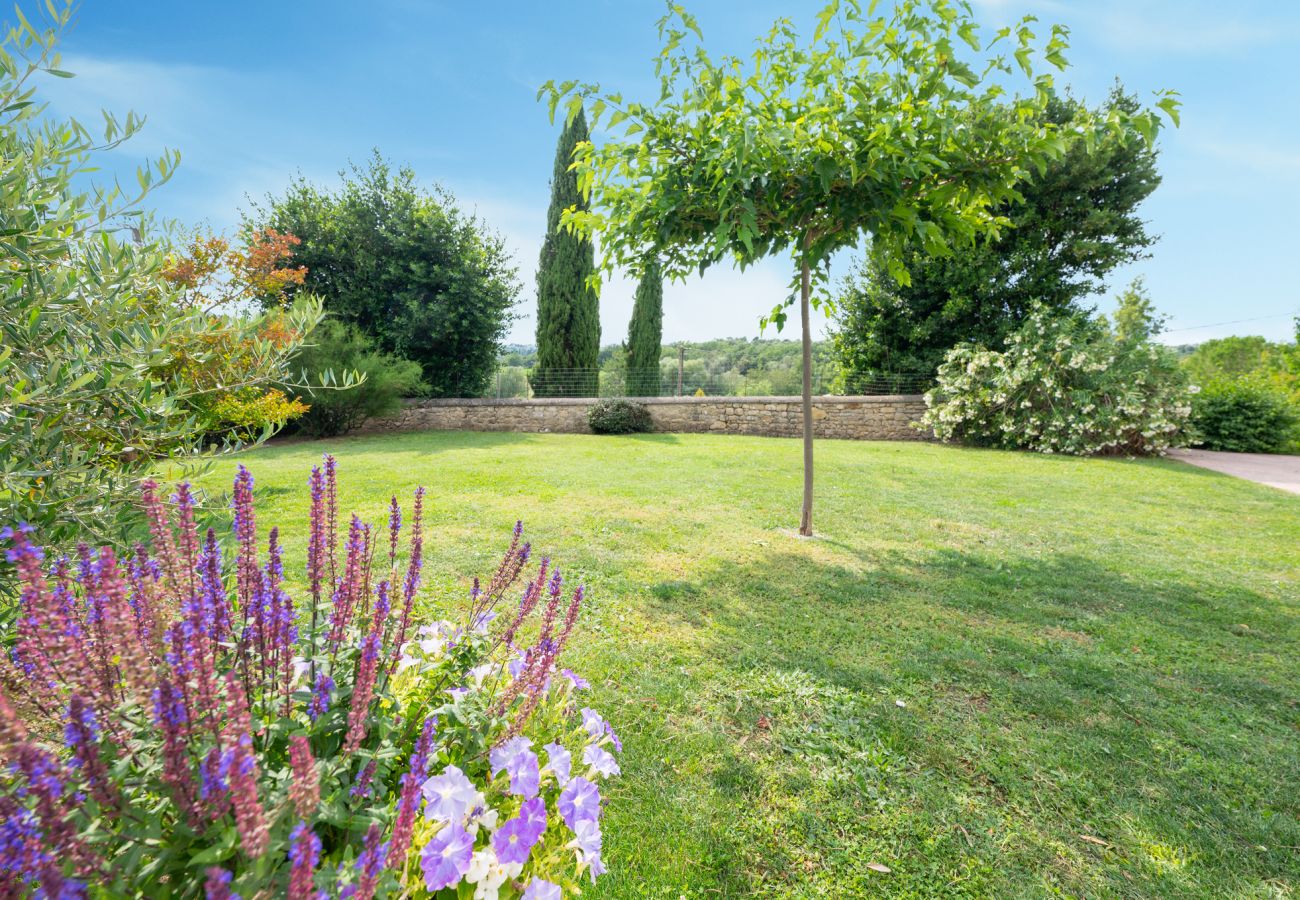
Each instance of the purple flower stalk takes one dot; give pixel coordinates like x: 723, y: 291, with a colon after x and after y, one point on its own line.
x: 250, y: 818
x: 362, y: 692
x: 370, y: 863
x: 173, y: 721
x: 247, y: 577
x: 217, y: 885
x: 404, y: 824
x: 304, y: 792
x: 350, y: 588
x: 320, y: 696
x: 316, y: 538
x: 364, y: 779
x: 331, y: 513
x: 411, y: 583
x: 304, y: 856
x: 394, y: 529
x: 82, y: 737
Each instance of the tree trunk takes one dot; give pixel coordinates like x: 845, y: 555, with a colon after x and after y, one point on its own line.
x: 805, y: 289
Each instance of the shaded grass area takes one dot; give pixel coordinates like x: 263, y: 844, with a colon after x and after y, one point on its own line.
x: 992, y: 674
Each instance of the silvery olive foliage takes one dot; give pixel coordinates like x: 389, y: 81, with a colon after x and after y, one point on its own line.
x: 89, y: 325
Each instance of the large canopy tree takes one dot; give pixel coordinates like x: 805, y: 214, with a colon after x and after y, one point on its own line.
x: 1076, y: 223
x: 876, y: 127
x: 407, y: 266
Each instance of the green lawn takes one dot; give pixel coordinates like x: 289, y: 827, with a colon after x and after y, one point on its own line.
x: 995, y: 674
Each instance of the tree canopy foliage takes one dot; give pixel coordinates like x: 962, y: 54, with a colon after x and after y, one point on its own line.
x: 406, y: 266
x: 881, y: 125
x: 1071, y: 225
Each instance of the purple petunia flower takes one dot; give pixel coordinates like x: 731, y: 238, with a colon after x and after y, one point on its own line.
x: 534, y: 813
x: 446, y: 858
x: 592, y: 722
x: 587, y: 841
x: 540, y: 889
x: 558, y: 761
x: 501, y: 756
x: 514, y: 840
x: 524, y: 773
x: 601, y: 760
x: 448, y: 797
x: 597, y: 727
x: 579, y: 683
x: 579, y: 801
x: 587, y: 838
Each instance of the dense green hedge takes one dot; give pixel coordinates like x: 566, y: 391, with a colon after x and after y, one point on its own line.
x: 1244, y: 416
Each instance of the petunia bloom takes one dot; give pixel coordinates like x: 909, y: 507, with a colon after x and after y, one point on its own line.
x: 524, y: 774
x: 500, y: 757
x: 541, y: 889
x: 558, y: 761
x: 579, y: 801
x: 579, y: 683
x: 514, y: 840
x: 587, y: 841
x: 449, y: 796
x: 601, y: 760
x: 446, y: 858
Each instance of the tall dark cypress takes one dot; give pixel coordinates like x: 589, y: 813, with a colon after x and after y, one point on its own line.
x: 568, y: 312
x: 645, y: 334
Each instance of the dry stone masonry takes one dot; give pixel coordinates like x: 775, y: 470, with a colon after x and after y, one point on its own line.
x: 882, y: 418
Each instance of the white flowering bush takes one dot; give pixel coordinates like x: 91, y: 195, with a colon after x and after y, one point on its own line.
x: 1063, y: 385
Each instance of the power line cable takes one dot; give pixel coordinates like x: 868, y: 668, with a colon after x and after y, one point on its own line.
x: 1233, y: 322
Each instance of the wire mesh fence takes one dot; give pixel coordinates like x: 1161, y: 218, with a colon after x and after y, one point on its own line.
x: 518, y: 382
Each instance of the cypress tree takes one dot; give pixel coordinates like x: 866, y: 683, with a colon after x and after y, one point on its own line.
x: 645, y: 334
x: 568, y: 313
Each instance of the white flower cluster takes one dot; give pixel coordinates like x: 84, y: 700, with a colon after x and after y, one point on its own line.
x: 1063, y: 385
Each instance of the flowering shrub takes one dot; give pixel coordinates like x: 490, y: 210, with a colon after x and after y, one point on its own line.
x: 222, y: 740
x: 1063, y: 385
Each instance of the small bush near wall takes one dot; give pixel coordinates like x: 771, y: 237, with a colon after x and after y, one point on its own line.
x: 1244, y: 417
x: 619, y: 417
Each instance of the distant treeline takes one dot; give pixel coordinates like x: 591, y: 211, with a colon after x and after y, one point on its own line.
x: 723, y: 366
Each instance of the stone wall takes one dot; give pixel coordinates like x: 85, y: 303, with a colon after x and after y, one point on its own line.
x: 859, y: 418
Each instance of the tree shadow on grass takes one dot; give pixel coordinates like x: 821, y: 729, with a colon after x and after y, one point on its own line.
x: 1044, y: 698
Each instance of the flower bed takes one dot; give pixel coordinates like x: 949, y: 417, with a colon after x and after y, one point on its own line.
x: 223, y: 739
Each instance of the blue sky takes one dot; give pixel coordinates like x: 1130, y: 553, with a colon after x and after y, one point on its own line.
x: 251, y: 92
